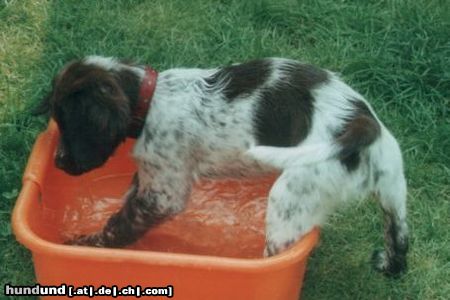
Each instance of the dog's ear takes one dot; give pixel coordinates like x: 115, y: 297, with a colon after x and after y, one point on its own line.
x: 43, y: 107
x: 109, y: 119
x: 102, y: 104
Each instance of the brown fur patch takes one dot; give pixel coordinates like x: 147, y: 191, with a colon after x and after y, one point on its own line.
x: 361, y: 130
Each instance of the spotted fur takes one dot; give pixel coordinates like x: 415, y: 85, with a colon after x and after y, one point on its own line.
x: 241, y: 120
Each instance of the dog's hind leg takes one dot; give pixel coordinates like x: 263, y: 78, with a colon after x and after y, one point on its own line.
x: 296, y: 204
x: 390, y: 185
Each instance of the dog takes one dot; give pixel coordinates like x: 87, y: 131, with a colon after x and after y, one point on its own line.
x: 240, y: 120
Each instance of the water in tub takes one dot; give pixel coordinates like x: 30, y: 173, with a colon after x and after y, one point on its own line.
x: 222, y: 218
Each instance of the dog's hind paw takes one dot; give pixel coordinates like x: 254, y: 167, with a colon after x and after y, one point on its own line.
x: 390, y: 267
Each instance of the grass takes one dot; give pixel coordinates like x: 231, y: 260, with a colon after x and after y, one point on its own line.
x: 396, y: 53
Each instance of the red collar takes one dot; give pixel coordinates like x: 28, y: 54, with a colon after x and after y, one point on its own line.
x: 146, y: 91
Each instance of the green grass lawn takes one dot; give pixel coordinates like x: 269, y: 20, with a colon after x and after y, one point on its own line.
x: 396, y: 53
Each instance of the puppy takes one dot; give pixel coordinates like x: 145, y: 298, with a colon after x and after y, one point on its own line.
x: 240, y: 120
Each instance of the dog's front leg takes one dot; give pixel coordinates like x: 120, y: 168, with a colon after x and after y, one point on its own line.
x: 145, y: 206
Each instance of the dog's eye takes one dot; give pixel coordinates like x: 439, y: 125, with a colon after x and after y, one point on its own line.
x: 106, y: 89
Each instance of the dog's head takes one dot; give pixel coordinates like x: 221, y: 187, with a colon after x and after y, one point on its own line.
x: 92, y: 112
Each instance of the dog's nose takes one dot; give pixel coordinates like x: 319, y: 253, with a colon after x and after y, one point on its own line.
x: 62, y: 160
x: 66, y: 164
x: 59, y: 161
x: 60, y: 155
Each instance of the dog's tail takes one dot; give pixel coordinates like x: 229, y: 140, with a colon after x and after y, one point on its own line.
x: 282, y: 158
x: 357, y: 135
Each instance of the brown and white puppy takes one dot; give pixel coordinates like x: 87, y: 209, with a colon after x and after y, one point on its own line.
x: 239, y: 120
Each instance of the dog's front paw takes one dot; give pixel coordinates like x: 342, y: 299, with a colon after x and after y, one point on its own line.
x: 391, y: 267
x: 93, y: 240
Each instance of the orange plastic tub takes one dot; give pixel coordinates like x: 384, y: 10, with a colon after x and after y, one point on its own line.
x: 213, y: 250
